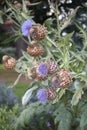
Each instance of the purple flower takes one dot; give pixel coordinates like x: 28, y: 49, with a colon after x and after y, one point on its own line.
x: 42, y: 95
x: 50, y: 112
x: 42, y: 69
x: 48, y: 124
x: 26, y: 26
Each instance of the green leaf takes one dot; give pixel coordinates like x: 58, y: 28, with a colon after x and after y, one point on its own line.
x: 63, y: 117
x: 83, y: 32
x: 77, y: 56
x: 27, y: 95
x: 27, y: 56
x: 51, y: 41
x: 21, y: 67
x: 77, y: 96
x: 48, y: 23
x: 10, y: 39
x: 1, y: 19
x: 65, y: 40
x: 59, y: 95
x: 26, y: 116
x: 83, y: 121
x: 83, y: 76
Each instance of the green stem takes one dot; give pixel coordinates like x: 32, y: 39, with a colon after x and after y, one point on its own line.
x: 50, y: 54
x: 66, y: 58
x: 16, y: 81
x: 37, y: 3
x: 51, y: 41
x: 29, y: 39
x: 25, y: 40
x: 11, y: 19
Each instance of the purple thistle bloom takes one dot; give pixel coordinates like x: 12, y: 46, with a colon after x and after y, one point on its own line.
x: 26, y: 26
x: 42, y: 95
x: 48, y: 124
x: 42, y: 69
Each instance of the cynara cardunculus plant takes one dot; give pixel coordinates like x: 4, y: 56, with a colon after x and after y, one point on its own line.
x: 51, y: 60
x: 55, y: 65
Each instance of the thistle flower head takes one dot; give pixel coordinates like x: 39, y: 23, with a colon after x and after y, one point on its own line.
x: 26, y: 26
x: 66, y: 78
x: 42, y: 95
x: 56, y: 80
x: 42, y: 69
x: 52, y: 67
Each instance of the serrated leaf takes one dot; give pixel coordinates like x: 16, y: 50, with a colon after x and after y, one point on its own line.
x: 66, y: 39
x: 51, y: 41
x: 83, y: 121
x: 59, y: 96
x: 48, y: 23
x: 83, y: 76
x: 27, y: 56
x: 10, y: 39
x: 63, y: 118
x: 20, y: 67
x: 27, y: 95
x: 77, y: 96
x: 24, y: 8
x: 78, y: 57
x: 61, y: 93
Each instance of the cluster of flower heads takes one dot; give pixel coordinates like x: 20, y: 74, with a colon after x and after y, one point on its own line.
x: 36, y: 32
x: 59, y: 78
x: 43, y: 70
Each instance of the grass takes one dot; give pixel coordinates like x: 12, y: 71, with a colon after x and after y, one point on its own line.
x: 1, y: 68
x: 20, y: 89
x: 9, y: 78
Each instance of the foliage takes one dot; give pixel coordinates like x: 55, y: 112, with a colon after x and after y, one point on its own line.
x: 69, y: 104
x: 59, y: 48
x: 7, y: 97
x: 8, y: 117
x: 61, y: 116
x: 1, y: 68
x: 38, y: 118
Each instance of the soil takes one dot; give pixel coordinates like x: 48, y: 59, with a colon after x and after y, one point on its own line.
x: 11, y: 76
